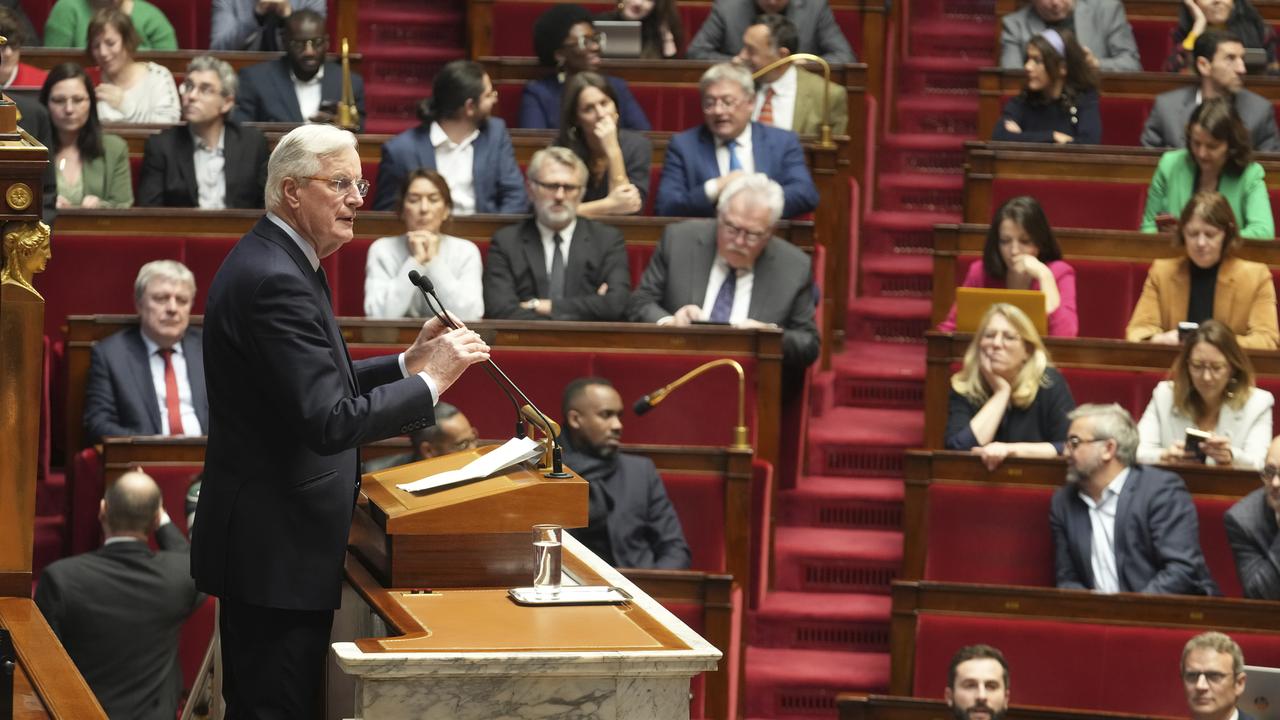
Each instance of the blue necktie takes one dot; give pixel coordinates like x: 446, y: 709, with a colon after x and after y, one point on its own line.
x: 733, y: 156
x: 723, y: 306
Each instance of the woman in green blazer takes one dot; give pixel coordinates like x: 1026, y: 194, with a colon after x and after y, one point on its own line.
x: 1218, y: 157
x: 92, y: 166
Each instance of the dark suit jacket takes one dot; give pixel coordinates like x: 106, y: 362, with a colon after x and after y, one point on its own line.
x: 267, y: 93
x: 720, y: 37
x: 781, y: 292
x: 168, y: 177
x: 287, y: 412
x: 119, y: 611
x: 1166, y: 126
x: 691, y: 161
x: 120, y: 398
x: 1157, y: 540
x: 516, y: 270
x: 1253, y: 542
x: 499, y: 186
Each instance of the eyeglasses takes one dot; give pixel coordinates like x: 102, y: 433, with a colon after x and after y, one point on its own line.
x: 1199, y: 368
x: 583, y: 41
x: 728, y: 103
x: 304, y: 44
x: 553, y: 188
x: 203, y: 89
x: 1269, y: 473
x: 342, y: 186
x: 752, y: 236
x: 1191, y: 677
x: 1075, y: 441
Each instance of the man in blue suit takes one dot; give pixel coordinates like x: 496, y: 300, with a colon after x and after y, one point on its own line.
x: 149, y: 379
x: 1213, y: 677
x: 459, y: 139
x: 702, y: 161
x: 1121, y: 527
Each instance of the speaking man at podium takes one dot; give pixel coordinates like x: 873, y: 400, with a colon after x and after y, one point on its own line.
x: 287, y: 411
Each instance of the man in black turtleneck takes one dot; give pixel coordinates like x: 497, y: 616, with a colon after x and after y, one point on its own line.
x: 632, y: 523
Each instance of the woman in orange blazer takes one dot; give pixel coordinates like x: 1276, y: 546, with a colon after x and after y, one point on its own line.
x: 1207, y: 283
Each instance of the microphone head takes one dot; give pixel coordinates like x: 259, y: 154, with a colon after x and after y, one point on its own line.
x: 415, y: 277
x: 421, y: 281
x: 642, y: 406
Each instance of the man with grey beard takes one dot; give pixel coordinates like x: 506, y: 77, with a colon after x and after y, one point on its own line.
x: 1121, y: 527
x: 978, y: 684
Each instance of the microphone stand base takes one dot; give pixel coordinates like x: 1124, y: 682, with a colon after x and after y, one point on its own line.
x: 557, y: 475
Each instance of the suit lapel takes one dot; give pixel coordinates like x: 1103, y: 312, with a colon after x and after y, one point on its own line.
x: 191, y: 346
x: 1082, y: 531
x: 286, y: 93
x: 232, y: 151
x: 1224, y: 295
x: 707, y: 154
x: 186, y: 162
x: 142, y: 378
x: 761, y: 284
x: 531, y: 241
x: 703, y: 257
x: 760, y: 154
x: 480, y: 168
x: 331, y: 83
x: 576, y: 281
x: 1084, y: 25
x: 1124, y: 505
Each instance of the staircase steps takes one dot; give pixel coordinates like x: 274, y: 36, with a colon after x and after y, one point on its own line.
x: 893, y: 320
x: 919, y: 192
x: 952, y: 37
x: 863, y: 441
x: 897, y: 275
x: 941, y: 75
x: 938, y: 114
x: 802, y: 684
x: 403, y: 44
x: 850, y: 561
x: 847, y: 503
x: 901, y: 232
x: 856, y: 622
x: 921, y: 153
x: 878, y: 375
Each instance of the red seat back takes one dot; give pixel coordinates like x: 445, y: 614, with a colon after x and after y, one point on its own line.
x: 1154, y: 38
x: 699, y: 502
x: 1123, y: 119
x: 1077, y: 203
x: 1014, y: 519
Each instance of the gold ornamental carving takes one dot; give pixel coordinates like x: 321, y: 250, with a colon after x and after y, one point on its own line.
x: 26, y: 252
x: 19, y: 196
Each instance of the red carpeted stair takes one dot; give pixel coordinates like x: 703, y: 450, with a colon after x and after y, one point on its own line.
x: 823, y: 627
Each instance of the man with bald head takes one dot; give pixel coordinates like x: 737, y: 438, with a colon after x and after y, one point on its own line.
x: 119, y: 609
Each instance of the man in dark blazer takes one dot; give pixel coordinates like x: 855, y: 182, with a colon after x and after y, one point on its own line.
x: 1145, y: 513
x: 482, y: 174
x: 288, y: 410
x: 1100, y: 25
x: 210, y: 162
x: 720, y: 37
x: 702, y: 160
x: 631, y: 522
x: 119, y: 609
x: 688, y: 277
x: 530, y: 274
x: 274, y: 91
x: 128, y: 369
x: 1213, y: 677
x: 1219, y: 61
x: 1253, y: 528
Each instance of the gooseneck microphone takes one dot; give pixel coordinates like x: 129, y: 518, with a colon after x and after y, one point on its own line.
x: 424, y: 284
x: 653, y: 399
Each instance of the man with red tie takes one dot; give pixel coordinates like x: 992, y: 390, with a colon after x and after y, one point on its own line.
x: 149, y: 379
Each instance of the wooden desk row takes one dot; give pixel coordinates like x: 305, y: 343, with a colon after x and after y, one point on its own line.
x: 1165, y: 9
x: 886, y: 707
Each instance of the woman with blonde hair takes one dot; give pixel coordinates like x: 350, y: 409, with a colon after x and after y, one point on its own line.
x: 1007, y: 399
x: 1211, y: 389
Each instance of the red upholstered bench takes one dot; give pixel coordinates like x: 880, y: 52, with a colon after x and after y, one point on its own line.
x: 699, y: 501
x: 1155, y: 41
x: 1069, y: 203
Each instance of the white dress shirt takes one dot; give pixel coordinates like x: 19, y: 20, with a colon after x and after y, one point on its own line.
x: 455, y: 163
x: 1102, y: 550
x: 186, y: 406
x: 784, y: 99
x: 549, y: 245
x: 745, y: 159
x: 741, y: 291
x: 211, y: 177
x: 308, y: 92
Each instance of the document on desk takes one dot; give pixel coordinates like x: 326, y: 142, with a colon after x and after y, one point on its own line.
x: 513, y: 452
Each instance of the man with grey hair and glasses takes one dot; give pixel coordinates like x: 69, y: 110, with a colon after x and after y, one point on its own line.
x: 702, y: 161
x: 288, y: 410
x: 733, y: 271
x: 1118, y: 526
x: 210, y: 163
x: 1213, y: 677
x: 1252, y: 528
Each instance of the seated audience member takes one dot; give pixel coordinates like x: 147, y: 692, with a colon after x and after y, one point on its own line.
x: 149, y: 379
x: 1253, y: 526
x: 1218, y: 158
x: 92, y: 166
x: 978, y: 683
x: 301, y: 86
x: 1213, y: 677
x: 1022, y: 254
x: 702, y: 161
x: 1212, y: 390
x: 68, y: 23
x: 1007, y: 399
x: 24, y: 30
x: 256, y: 25
x: 452, y: 432
x: 15, y: 74
x: 129, y: 92
x: 1059, y: 100
x: 661, y: 31
x: 1148, y: 544
x: 452, y: 263
x: 1209, y: 283
x: 567, y: 43
x: 1237, y: 17
x: 617, y: 159
x: 459, y: 138
x: 211, y: 162
x: 557, y: 265
x: 1100, y: 24
x: 789, y: 97
x: 631, y: 522
x: 1219, y: 61
x: 720, y: 37
x: 735, y: 271
x: 119, y: 610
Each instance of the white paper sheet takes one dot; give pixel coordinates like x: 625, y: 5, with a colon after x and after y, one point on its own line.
x: 513, y: 452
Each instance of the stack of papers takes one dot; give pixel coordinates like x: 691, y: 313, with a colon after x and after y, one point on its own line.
x: 514, y: 452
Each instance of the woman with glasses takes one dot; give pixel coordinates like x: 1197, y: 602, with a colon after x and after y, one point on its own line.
x: 130, y: 91
x: 566, y: 42
x: 451, y: 263
x: 92, y: 166
x: 1211, y: 389
x: 1207, y: 283
x: 617, y: 159
x: 1007, y: 399
x: 1059, y: 99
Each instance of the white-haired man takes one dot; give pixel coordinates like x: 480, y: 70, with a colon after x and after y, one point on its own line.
x: 287, y: 411
x: 733, y: 270
x: 149, y: 379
